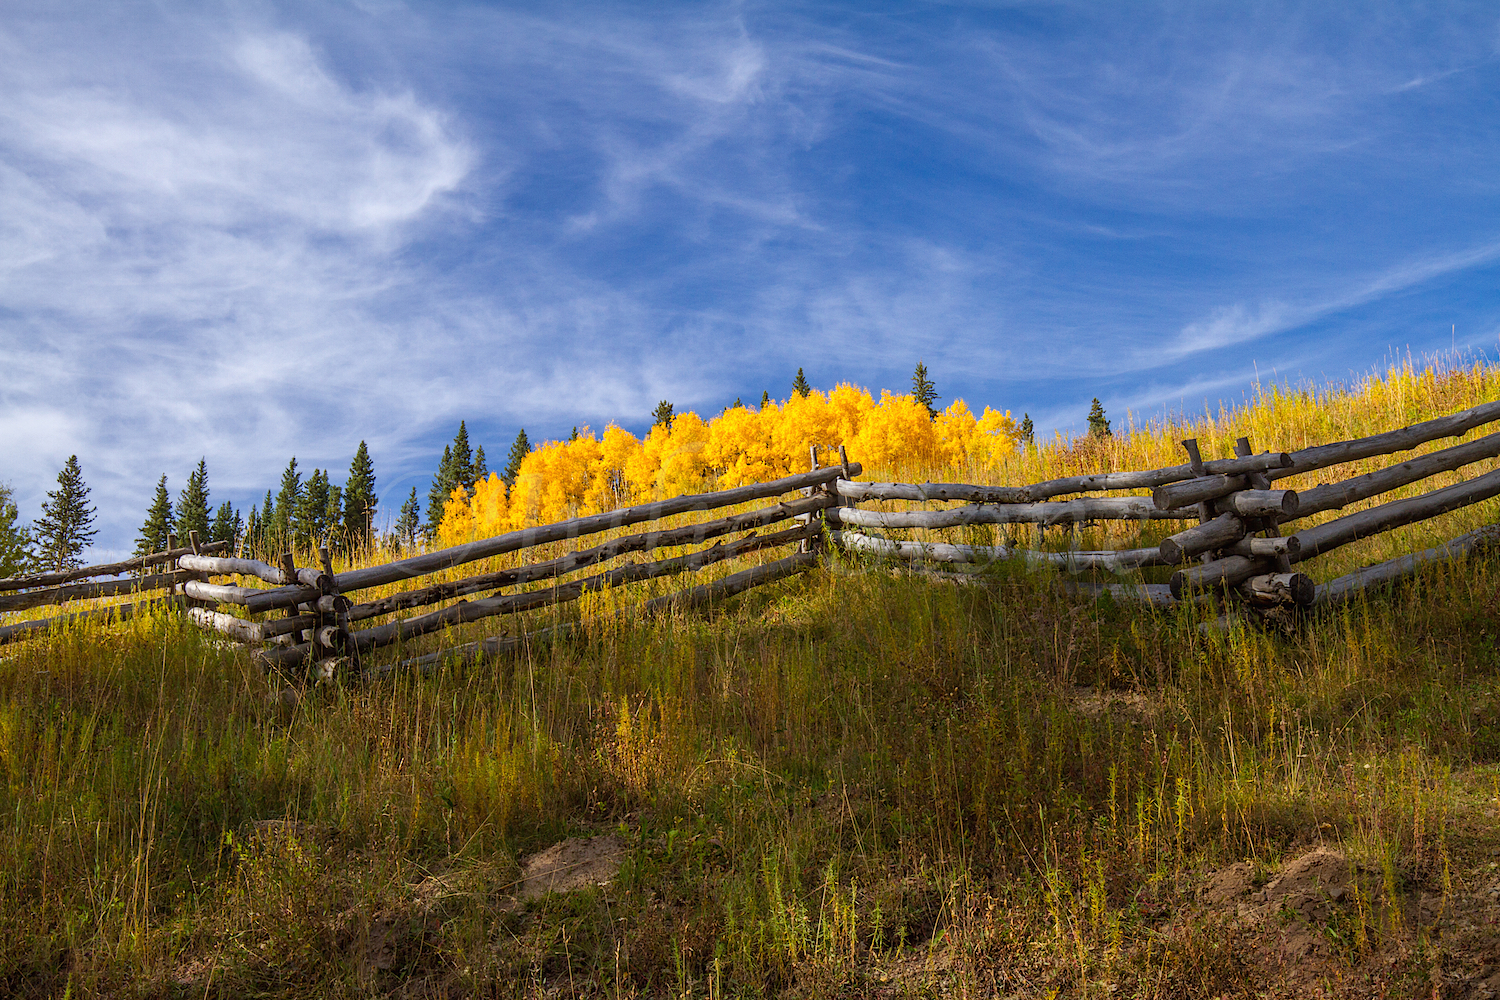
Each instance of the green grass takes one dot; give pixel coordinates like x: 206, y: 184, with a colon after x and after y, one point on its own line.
x: 855, y: 782
x: 850, y: 782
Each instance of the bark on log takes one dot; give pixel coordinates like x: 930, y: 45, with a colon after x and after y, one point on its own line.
x: 1336, y: 495
x: 693, y: 534
x: 79, y: 591
x: 1062, y: 512
x: 1192, y: 491
x: 1055, y: 487
x: 1327, y: 537
x: 1345, y: 587
x: 225, y: 566
x: 1265, y: 548
x: 104, y: 569
x: 236, y: 628
x: 467, y: 611
x: 121, y: 612
x: 1261, y: 503
x: 1273, y: 589
x: 1071, y: 562
x: 432, y: 562
x: 1222, y: 531
x: 1390, y: 442
x: 1352, y: 527
x: 736, y: 583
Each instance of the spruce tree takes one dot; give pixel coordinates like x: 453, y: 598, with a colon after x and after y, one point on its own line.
x: 15, y: 542
x: 408, y: 520
x: 266, y: 538
x: 66, y: 526
x: 312, y: 514
x: 765, y: 398
x: 519, y: 449
x: 441, y: 490
x: 333, y: 515
x: 160, y: 523
x: 481, y: 471
x: 922, y: 388
x: 662, y: 416
x: 738, y: 405
x: 574, y: 435
x: 227, y: 526
x: 359, y: 498
x: 1028, y: 431
x: 252, y: 532
x: 462, y: 459
x: 1098, y: 422
x: 288, y: 501
x: 192, y: 504
x: 800, y: 385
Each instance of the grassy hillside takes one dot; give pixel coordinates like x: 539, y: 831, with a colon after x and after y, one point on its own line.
x: 854, y: 783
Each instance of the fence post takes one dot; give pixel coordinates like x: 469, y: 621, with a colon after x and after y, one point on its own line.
x: 1260, y: 481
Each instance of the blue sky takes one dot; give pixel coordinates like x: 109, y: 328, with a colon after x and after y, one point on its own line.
x: 247, y: 231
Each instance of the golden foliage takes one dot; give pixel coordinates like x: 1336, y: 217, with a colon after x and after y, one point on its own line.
x: 563, y: 479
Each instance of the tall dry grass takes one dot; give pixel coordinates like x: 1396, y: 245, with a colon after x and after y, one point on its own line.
x: 848, y: 776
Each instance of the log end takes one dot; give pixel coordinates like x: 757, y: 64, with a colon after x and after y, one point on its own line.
x: 1171, y: 552
x: 1178, y: 584
x: 1289, y: 503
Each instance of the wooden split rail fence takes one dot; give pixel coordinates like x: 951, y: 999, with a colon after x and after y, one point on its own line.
x: 1231, y: 543
x: 1235, y: 544
x: 319, y: 615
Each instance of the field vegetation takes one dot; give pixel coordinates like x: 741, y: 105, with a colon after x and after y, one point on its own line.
x: 856, y: 782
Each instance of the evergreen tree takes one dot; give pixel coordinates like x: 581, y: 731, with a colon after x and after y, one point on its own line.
x: 192, y: 505
x: 408, y: 520
x: 1028, y: 431
x: 227, y: 526
x: 519, y: 449
x: 311, y: 527
x: 765, y: 399
x: 663, y: 416
x: 288, y: 501
x: 737, y: 404
x: 574, y: 435
x: 441, y: 490
x: 66, y: 526
x: 923, y: 390
x: 462, y: 460
x: 266, y: 536
x: 160, y: 523
x: 481, y: 471
x: 1098, y: 422
x: 359, y: 498
x: 800, y: 386
x: 15, y: 542
x: 333, y: 515
x: 252, y: 532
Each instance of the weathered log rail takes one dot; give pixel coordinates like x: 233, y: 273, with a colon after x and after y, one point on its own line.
x: 22, y: 593
x: 307, y: 614
x: 1238, y: 537
x: 1235, y: 550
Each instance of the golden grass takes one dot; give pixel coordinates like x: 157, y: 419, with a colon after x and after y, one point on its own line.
x: 853, y: 782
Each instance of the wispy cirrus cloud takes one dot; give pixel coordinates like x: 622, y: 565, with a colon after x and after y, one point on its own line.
x: 249, y: 232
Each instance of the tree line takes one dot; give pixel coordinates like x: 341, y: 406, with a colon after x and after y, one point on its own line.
x: 307, y: 512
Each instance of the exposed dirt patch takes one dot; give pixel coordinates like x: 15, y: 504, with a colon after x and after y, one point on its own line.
x: 572, y: 864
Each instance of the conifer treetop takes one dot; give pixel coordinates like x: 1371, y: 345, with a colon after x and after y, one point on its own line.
x: 65, y: 528
x: 800, y: 385
x: 924, y: 391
